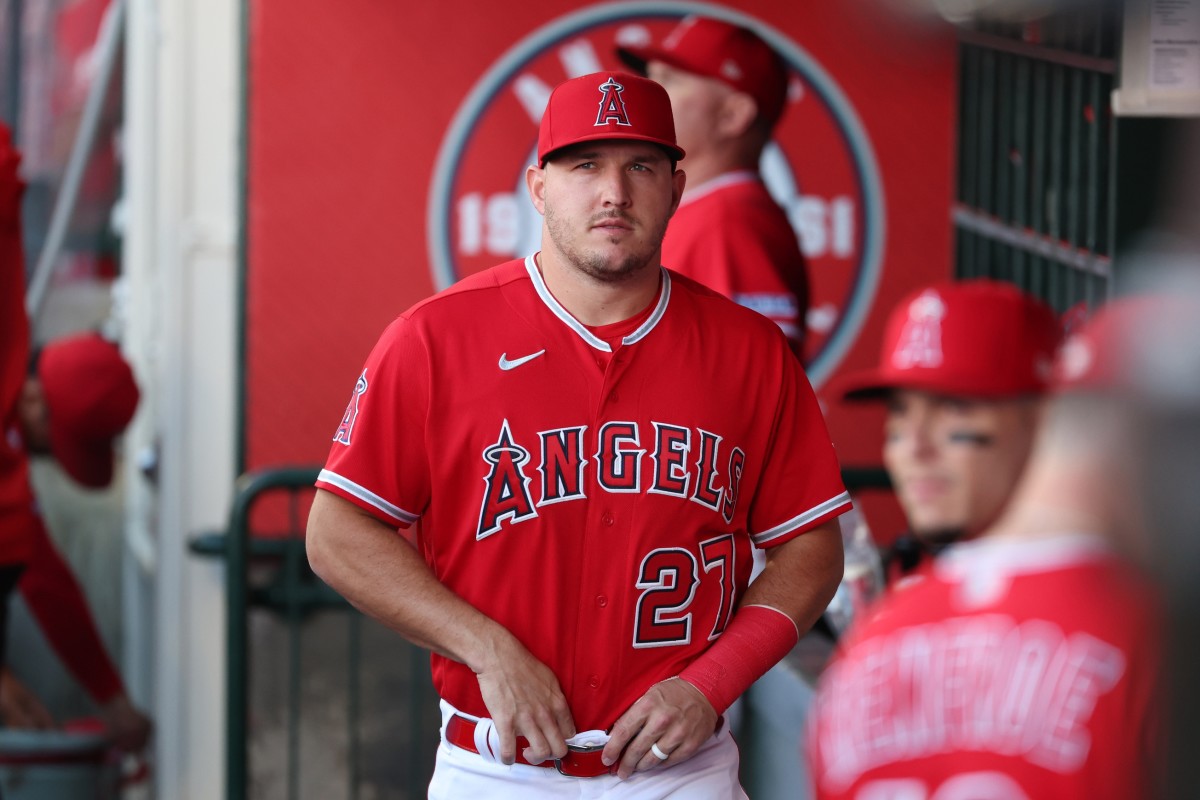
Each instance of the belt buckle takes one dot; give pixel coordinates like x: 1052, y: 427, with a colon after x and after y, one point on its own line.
x: 575, y: 748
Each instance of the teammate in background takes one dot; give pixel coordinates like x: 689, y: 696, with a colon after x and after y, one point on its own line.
x: 587, y: 503
x: 963, y: 368
x: 1023, y: 664
x: 77, y: 395
x: 728, y: 90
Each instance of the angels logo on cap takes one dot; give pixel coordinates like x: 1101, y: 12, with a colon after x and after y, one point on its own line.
x: 920, y: 342
x: 571, y: 116
x: 612, y: 107
x: 975, y: 338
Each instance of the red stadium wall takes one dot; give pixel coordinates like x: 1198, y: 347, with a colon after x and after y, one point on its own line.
x: 387, y: 144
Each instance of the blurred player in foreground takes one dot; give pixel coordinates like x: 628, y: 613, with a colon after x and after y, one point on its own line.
x: 1022, y: 664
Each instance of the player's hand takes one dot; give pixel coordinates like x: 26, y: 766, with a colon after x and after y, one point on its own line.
x: 19, y: 707
x: 129, y: 727
x: 523, y: 698
x: 673, y: 715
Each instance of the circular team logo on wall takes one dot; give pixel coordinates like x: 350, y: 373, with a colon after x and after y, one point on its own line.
x: 820, y: 167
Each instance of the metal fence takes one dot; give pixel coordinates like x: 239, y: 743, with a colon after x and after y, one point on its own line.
x: 321, y: 702
x: 383, y: 703
x: 1035, y: 202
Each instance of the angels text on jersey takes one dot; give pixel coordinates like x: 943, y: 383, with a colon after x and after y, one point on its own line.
x: 622, y: 465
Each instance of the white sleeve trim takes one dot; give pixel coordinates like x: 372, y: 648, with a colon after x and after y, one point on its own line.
x: 367, y: 496
x: 800, y: 521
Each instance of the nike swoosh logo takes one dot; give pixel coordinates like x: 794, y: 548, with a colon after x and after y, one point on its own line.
x: 505, y: 364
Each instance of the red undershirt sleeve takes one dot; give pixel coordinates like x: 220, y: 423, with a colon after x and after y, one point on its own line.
x: 57, y: 602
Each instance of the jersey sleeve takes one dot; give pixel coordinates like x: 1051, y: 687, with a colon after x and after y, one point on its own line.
x: 378, y: 459
x: 801, y: 485
x: 14, y: 325
x: 56, y: 600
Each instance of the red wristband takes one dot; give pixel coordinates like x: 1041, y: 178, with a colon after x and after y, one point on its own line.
x: 756, y: 639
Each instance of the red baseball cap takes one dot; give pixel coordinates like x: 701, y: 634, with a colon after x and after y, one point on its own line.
x: 1112, y: 350
x: 91, y: 396
x: 607, y: 105
x: 713, y: 48
x: 978, y: 338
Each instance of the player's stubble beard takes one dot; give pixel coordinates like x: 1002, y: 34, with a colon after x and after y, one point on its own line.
x: 595, y: 265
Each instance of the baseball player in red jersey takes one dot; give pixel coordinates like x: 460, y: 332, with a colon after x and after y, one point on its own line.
x: 963, y: 368
x: 728, y: 89
x: 1021, y: 664
x: 590, y: 445
x: 78, y: 396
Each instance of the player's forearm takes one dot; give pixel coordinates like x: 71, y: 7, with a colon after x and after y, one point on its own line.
x: 800, y: 578
x: 801, y: 575
x: 383, y: 576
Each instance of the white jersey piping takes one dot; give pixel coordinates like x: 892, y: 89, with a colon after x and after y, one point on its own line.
x: 539, y: 285
x: 367, y: 496
x: 792, y: 524
x: 720, y: 182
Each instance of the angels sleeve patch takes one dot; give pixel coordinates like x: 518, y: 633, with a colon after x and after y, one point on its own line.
x: 347, y: 427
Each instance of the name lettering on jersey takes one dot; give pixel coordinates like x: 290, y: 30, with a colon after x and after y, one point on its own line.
x: 347, y: 427
x: 612, y: 106
x: 710, y: 480
x: 671, y: 474
x: 974, y: 684
x: 706, y: 493
x: 619, y: 458
x: 562, y: 465
x: 507, y: 493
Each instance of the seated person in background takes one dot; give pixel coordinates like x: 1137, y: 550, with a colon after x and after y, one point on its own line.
x: 74, y: 399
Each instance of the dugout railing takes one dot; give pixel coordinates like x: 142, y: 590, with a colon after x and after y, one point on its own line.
x: 268, y: 574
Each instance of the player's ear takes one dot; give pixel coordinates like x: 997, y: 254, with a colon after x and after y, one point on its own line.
x: 535, y: 181
x: 678, y: 182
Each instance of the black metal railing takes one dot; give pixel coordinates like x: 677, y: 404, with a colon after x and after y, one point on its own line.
x: 1036, y: 160
x: 269, y: 572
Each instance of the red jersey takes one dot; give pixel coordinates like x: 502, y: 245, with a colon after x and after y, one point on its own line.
x: 731, y: 235
x: 599, y: 501
x: 1006, y: 669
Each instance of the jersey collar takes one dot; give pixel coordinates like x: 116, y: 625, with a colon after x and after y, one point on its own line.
x: 711, y: 185
x: 580, y: 329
